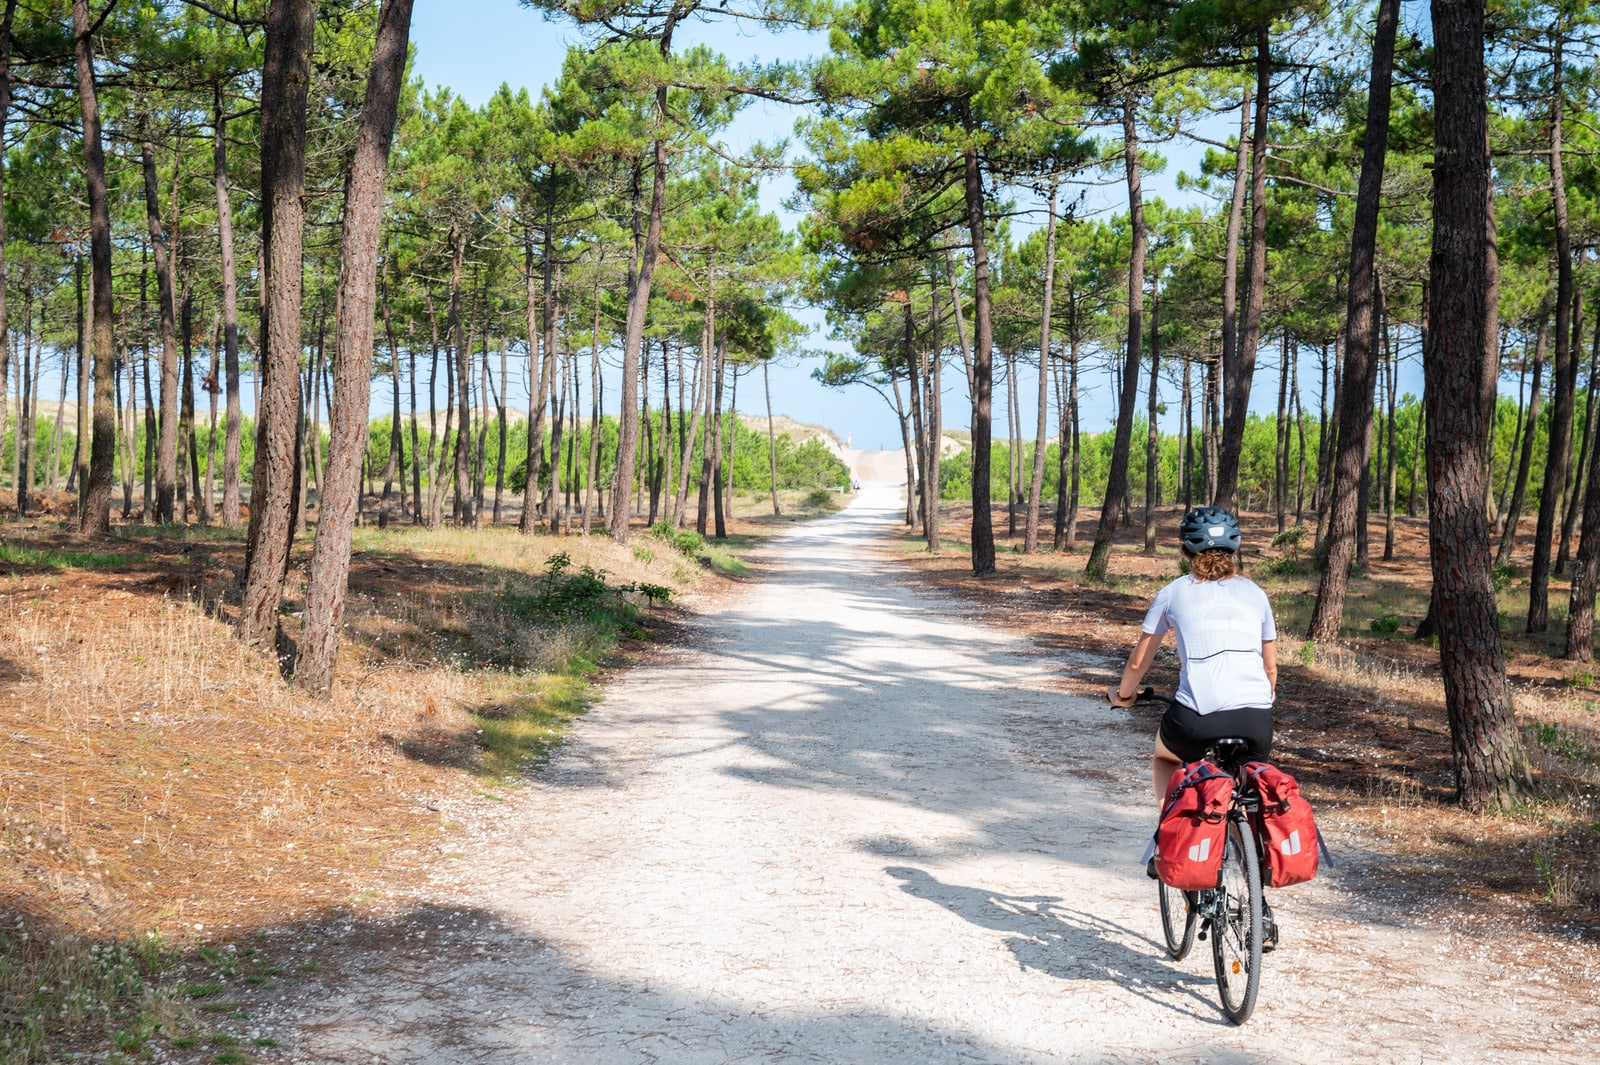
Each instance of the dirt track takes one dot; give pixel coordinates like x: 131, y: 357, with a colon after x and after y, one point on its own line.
x: 846, y: 826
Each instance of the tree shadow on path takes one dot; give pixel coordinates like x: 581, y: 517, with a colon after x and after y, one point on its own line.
x: 1046, y: 936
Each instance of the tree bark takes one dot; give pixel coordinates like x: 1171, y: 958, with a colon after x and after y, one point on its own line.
x: 186, y: 426
x: 5, y: 117
x: 1519, y: 491
x: 772, y: 439
x: 983, y: 558
x: 347, y: 418
x: 167, y: 445
x: 94, y: 519
x: 641, y: 273
x: 934, y: 408
x: 1358, y: 377
x: 1563, y: 399
x: 1237, y: 386
x: 234, y: 418
x: 1576, y: 502
x: 1117, y: 480
x: 1152, y: 448
x: 1030, y: 535
x: 919, y: 441
x: 286, y: 78
x: 1229, y: 357
x: 1280, y: 479
x: 1489, y: 762
x: 461, y: 352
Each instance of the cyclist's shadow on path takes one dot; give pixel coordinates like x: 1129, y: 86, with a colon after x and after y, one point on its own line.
x: 1048, y: 937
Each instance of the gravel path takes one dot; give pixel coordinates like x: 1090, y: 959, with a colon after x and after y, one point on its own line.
x: 849, y: 825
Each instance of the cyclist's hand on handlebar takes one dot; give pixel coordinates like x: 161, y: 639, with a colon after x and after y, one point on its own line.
x: 1115, y: 696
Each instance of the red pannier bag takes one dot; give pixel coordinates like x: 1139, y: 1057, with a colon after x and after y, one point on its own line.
x: 1189, y: 837
x: 1285, y: 827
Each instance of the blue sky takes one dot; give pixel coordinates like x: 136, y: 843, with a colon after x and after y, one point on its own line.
x: 472, y: 46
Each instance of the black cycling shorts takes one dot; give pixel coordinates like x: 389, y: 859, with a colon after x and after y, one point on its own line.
x: 1187, y: 734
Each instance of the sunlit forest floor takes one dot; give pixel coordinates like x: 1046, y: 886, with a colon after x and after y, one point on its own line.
x: 166, y: 798
x: 1362, y: 726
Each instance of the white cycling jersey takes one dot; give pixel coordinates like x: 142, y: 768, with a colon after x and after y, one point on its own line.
x: 1221, y: 626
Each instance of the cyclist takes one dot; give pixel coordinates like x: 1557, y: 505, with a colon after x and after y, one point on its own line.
x: 1227, y: 655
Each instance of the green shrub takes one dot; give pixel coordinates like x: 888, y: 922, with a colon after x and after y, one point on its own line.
x: 1501, y: 577
x: 819, y: 499
x: 686, y: 541
x: 1385, y: 625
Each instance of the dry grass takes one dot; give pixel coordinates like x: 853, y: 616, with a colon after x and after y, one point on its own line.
x: 161, y: 781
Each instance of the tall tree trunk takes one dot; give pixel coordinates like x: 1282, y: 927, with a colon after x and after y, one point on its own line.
x: 5, y: 117
x: 1575, y: 500
x: 918, y: 491
x: 230, y: 314
x: 1076, y: 460
x: 501, y: 402
x: 1152, y: 448
x: 347, y: 418
x: 22, y: 474
x: 719, y: 508
x: 1238, y: 384
x: 1392, y: 387
x: 80, y: 451
x: 641, y: 272
x: 55, y: 432
x: 151, y: 429
x: 461, y: 350
x: 396, y: 439
x: 1563, y: 400
x: 961, y: 318
x: 1359, y: 377
x: 907, y: 447
x: 1519, y: 491
x: 1117, y: 480
x: 1516, y: 439
x: 539, y: 366
x: 983, y: 559
x: 94, y: 519
x: 596, y: 428
x: 1013, y: 445
x: 1280, y: 480
x: 1186, y: 427
x: 286, y: 77
x: 772, y: 439
x: 680, y: 505
x: 1490, y: 766
x: 1229, y: 357
x: 202, y: 504
x: 933, y: 409
x: 212, y: 387
x: 1030, y: 536
x: 167, y: 447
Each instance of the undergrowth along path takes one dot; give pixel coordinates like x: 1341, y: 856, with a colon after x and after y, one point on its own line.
x: 847, y: 823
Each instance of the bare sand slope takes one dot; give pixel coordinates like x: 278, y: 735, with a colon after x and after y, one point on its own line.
x: 843, y: 827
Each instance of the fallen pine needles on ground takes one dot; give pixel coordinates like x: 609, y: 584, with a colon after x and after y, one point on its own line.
x: 1363, y: 725
x: 166, y: 794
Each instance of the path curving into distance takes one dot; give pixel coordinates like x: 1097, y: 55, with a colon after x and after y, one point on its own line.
x: 852, y: 824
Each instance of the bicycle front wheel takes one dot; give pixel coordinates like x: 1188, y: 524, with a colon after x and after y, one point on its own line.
x: 1178, y: 920
x: 1236, y: 925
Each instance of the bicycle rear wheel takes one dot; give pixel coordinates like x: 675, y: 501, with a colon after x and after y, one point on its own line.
x: 1178, y: 920
x: 1237, y: 924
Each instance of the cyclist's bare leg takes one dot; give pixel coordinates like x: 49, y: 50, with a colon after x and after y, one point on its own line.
x: 1162, y: 765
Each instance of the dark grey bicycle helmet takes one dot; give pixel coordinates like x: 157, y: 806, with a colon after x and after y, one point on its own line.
x: 1208, y: 528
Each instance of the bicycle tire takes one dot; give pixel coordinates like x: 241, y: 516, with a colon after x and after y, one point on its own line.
x: 1178, y: 920
x: 1237, y: 924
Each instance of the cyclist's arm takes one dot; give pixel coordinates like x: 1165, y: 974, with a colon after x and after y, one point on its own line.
x: 1269, y: 662
x: 1125, y: 691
